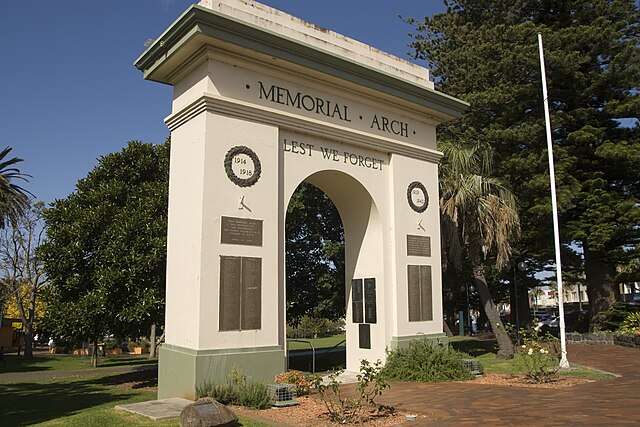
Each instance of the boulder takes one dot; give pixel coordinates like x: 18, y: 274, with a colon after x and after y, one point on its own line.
x: 207, y: 412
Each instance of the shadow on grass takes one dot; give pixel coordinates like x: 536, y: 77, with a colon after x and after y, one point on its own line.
x: 26, y: 403
x: 475, y: 347
x: 20, y: 364
x: 144, y: 378
x: 127, y: 362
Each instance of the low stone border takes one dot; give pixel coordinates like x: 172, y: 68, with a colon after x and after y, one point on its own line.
x: 603, y: 339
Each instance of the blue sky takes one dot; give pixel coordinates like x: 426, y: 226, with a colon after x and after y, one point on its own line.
x: 70, y: 92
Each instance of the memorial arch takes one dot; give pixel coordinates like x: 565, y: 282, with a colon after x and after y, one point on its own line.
x: 262, y: 102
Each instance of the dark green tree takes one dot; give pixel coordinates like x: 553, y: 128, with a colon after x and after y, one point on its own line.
x: 106, y: 252
x: 486, y: 53
x: 315, y: 256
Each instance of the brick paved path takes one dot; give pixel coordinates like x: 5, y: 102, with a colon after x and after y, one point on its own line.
x: 601, y: 403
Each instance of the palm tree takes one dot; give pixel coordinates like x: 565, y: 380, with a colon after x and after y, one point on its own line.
x: 14, y: 199
x: 479, y: 218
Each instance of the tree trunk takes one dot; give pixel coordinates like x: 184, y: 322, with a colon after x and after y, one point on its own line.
x: 505, y: 345
x: 28, y: 341
x: 601, y: 288
x: 519, y: 300
x: 94, y: 354
x: 152, y: 339
x: 446, y: 328
x: 28, y: 326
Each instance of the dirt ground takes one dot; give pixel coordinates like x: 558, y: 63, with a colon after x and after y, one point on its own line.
x: 312, y: 412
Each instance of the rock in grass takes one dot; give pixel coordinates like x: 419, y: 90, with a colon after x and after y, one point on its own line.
x: 207, y: 412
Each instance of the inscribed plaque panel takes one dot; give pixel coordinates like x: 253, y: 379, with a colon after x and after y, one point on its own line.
x: 357, y: 313
x: 426, y: 298
x: 230, y: 277
x: 364, y: 335
x: 251, y: 306
x: 413, y: 294
x: 241, y: 231
x: 370, y: 300
x: 418, y: 245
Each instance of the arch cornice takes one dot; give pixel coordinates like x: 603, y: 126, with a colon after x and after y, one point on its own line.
x: 261, y: 114
x: 200, y: 26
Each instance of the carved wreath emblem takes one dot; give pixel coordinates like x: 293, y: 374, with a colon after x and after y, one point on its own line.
x: 242, y: 166
x: 417, y: 197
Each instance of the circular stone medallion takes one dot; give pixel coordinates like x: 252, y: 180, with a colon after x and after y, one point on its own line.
x: 417, y: 197
x: 242, y: 166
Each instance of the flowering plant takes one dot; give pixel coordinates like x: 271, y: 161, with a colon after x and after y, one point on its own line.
x: 301, y: 382
x: 537, y: 358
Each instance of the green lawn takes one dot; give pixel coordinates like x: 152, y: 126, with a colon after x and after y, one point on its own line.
x: 485, y: 351
x: 46, y: 363
x: 324, y: 342
x: 86, y: 400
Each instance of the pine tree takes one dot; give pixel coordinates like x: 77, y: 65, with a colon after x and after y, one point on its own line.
x: 486, y: 53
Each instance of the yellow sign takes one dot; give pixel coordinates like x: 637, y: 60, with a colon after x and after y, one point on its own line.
x: 16, y: 325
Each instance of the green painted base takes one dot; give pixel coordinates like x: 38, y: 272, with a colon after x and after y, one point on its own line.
x: 403, y: 342
x: 181, y: 370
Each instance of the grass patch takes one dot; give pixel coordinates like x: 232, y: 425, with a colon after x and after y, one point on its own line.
x: 17, y: 364
x: 485, y: 351
x: 324, y: 342
x: 86, y: 400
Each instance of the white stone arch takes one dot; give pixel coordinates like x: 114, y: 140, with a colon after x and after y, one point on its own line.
x: 248, y: 81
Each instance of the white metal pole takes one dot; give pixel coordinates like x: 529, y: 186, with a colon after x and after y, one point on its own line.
x: 564, y: 363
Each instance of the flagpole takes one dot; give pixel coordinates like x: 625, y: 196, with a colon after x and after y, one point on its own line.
x: 564, y: 363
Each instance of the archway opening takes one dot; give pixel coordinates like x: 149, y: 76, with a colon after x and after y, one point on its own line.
x: 315, y: 281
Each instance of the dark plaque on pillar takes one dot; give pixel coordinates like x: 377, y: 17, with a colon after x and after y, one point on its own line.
x: 370, y: 300
x: 426, y: 297
x: 419, y: 293
x: 230, y: 277
x: 413, y: 278
x: 364, y: 335
x: 251, y: 306
x: 241, y: 231
x: 418, y: 245
x: 357, y: 313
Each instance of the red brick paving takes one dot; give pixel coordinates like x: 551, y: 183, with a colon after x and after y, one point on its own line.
x: 601, y: 403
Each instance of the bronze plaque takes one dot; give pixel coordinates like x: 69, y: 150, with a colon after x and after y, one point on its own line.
x: 230, y: 276
x: 357, y: 313
x: 370, y: 300
x: 413, y: 279
x: 364, y: 335
x: 418, y: 245
x: 241, y: 231
x: 426, y: 298
x: 251, y: 293
x: 205, y: 408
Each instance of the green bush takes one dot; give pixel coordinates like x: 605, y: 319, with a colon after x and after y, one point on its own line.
x: 631, y: 324
x: 611, y: 320
x: 254, y: 394
x: 426, y: 361
x: 237, y: 390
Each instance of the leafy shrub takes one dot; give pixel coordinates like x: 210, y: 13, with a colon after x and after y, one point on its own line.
x: 537, y: 358
x: 611, y: 320
x: 426, y: 361
x: 254, y: 394
x: 352, y: 409
x: 301, y: 382
x: 237, y: 390
x: 631, y: 324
